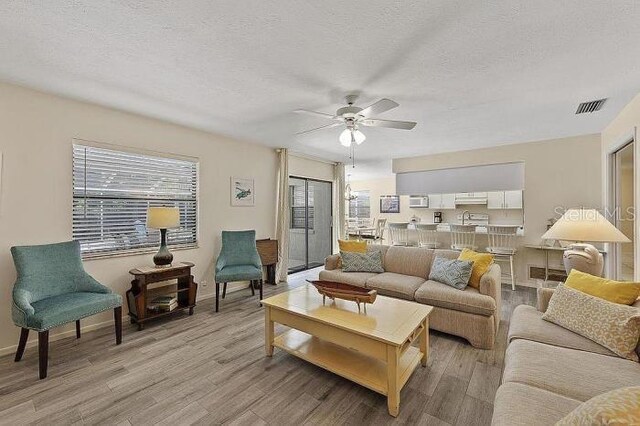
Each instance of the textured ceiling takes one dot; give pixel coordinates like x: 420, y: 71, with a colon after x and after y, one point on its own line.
x: 472, y: 74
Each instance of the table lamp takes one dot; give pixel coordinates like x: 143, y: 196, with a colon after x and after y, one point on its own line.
x: 583, y: 225
x: 163, y: 218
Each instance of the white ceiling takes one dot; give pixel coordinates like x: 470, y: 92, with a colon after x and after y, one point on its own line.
x: 471, y: 73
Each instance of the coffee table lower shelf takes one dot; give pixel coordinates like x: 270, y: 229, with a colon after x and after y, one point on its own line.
x: 350, y: 364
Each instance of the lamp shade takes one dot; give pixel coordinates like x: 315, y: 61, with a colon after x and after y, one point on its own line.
x: 163, y: 217
x: 345, y: 138
x: 585, y: 225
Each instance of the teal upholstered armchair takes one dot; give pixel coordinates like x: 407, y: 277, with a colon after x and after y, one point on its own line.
x: 238, y: 261
x: 53, y: 289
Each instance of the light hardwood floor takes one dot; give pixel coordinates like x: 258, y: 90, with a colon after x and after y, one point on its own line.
x: 211, y: 369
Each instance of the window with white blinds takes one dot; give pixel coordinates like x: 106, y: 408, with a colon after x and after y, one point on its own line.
x: 112, y: 191
x: 360, y: 206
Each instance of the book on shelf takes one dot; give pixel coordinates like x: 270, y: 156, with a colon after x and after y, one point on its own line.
x: 163, y: 303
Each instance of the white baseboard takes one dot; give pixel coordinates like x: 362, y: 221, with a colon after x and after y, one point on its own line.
x: 69, y: 333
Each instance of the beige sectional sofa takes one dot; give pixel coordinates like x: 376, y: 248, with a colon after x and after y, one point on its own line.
x: 471, y: 313
x: 550, y: 370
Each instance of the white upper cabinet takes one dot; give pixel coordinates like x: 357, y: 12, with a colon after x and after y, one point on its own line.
x: 442, y: 201
x: 504, y: 200
x: 495, y: 200
x: 512, y: 199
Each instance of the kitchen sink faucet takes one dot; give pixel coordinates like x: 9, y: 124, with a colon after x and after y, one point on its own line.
x: 466, y: 212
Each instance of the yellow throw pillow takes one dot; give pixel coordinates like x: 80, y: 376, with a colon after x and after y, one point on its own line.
x: 351, y: 246
x: 621, y: 292
x: 481, y: 263
x: 616, y: 407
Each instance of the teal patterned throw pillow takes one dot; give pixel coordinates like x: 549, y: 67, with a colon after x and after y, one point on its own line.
x: 455, y: 273
x: 370, y: 261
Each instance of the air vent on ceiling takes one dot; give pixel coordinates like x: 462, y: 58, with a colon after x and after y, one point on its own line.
x: 591, y: 106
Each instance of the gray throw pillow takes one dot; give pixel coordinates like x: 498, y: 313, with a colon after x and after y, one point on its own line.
x: 370, y: 261
x: 454, y: 273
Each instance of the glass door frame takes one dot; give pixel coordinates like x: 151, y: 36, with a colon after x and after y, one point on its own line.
x: 611, y: 198
x: 306, y: 221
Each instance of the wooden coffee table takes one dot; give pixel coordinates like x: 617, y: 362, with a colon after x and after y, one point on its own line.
x: 371, y: 348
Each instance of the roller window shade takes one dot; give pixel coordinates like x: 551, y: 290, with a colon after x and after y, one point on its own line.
x: 112, y: 191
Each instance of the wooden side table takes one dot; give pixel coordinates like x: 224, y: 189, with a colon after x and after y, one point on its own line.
x: 141, y: 293
x: 268, y: 251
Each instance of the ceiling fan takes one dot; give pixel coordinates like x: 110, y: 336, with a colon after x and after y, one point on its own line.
x: 353, y: 117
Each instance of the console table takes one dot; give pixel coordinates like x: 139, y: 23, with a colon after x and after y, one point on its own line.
x: 143, y: 291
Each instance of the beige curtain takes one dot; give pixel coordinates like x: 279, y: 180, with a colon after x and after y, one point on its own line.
x: 282, y: 216
x: 339, y: 215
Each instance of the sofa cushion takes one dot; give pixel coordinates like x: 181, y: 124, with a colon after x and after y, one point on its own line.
x: 412, y: 261
x: 526, y: 323
x: 395, y: 285
x: 57, y: 310
x: 574, y: 374
x: 518, y: 404
x: 354, y: 278
x: 468, y: 300
x: 614, y: 326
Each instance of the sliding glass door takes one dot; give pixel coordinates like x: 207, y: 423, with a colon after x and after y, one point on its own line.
x: 310, y: 224
x: 624, y: 214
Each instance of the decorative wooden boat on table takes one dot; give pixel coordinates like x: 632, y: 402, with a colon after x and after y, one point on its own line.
x: 334, y: 290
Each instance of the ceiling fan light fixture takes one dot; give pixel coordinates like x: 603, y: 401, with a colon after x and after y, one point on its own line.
x: 345, y: 138
x: 358, y: 137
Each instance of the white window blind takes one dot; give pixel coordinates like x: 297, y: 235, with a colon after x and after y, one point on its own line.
x: 112, y: 191
x: 300, y: 207
x: 360, y: 207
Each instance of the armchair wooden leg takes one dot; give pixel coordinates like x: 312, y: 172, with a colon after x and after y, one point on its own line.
x: 252, y: 285
x: 117, y: 316
x: 224, y: 290
x: 77, y: 329
x: 24, y: 335
x: 261, y: 292
x: 43, y: 352
x: 217, y: 295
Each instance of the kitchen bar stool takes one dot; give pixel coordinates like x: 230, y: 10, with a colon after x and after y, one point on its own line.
x: 463, y: 237
x: 502, y: 244
x: 427, y: 236
x: 399, y: 233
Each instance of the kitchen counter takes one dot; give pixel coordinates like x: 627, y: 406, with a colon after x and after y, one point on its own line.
x: 480, y: 229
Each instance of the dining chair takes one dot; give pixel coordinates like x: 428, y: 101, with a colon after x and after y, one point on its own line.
x: 238, y: 261
x: 52, y: 289
x: 502, y: 244
x: 427, y: 235
x: 378, y: 233
x: 463, y: 237
x: 399, y: 233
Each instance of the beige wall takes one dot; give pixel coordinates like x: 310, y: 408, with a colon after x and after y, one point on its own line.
x: 558, y: 173
x: 623, y: 124
x: 36, y: 194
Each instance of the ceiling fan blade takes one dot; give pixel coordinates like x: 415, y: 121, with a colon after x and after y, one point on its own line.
x: 379, y: 107
x: 393, y: 124
x: 327, y: 126
x: 316, y: 114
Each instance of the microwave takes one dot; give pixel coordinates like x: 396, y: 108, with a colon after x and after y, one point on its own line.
x: 418, y: 201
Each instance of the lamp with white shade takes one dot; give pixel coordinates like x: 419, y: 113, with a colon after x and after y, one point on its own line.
x: 163, y: 218
x: 582, y: 225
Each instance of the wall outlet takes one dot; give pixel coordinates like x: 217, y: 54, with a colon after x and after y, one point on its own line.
x: 203, y: 283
